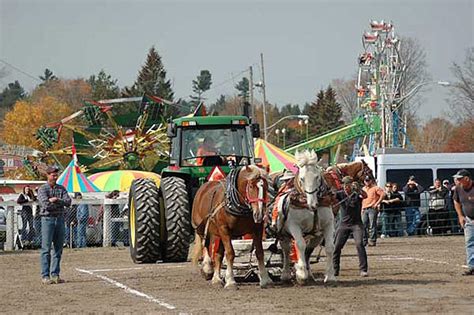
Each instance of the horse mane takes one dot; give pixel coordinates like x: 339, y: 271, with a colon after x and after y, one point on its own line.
x: 306, y: 158
x: 253, y: 172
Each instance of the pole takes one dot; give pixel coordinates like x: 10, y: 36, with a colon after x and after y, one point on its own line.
x: 251, y: 94
x: 264, y: 100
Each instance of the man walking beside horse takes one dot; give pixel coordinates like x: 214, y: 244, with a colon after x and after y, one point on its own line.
x: 350, y: 199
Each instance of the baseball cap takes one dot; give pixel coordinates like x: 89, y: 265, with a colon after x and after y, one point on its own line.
x: 412, y: 177
x: 52, y: 169
x: 462, y: 173
x: 445, y: 181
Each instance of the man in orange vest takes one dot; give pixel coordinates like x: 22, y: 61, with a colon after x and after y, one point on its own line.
x: 207, y: 148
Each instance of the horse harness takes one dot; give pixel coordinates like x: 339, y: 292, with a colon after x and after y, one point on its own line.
x: 231, y: 203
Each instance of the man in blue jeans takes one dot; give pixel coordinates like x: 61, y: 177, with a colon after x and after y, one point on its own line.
x: 53, y: 199
x: 412, y: 192
x: 464, y: 203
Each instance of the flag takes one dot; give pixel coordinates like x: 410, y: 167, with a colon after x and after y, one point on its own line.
x: 200, y: 110
x: 74, y: 157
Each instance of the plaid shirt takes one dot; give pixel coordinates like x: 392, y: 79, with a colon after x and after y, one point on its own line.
x: 49, y: 208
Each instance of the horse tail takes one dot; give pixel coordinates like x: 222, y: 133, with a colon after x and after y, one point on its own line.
x: 197, y: 251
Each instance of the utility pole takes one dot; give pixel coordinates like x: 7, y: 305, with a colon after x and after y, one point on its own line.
x: 264, y: 101
x: 251, y: 94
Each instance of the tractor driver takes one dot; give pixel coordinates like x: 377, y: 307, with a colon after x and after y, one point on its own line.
x: 207, y: 148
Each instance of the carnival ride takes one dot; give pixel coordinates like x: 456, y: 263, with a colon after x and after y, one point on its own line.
x: 106, y: 139
x: 379, y: 93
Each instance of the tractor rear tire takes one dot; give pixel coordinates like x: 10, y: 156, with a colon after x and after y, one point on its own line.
x: 174, y: 198
x: 144, y: 221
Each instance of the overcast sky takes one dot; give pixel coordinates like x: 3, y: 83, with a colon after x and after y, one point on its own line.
x: 306, y: 44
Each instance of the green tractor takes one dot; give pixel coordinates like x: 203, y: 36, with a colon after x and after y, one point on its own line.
x: 160, y: 217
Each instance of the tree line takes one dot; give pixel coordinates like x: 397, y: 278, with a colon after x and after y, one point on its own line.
x: 54, y: 98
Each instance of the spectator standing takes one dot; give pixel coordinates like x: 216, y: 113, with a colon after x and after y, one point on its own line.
x: 397, y: 209
x: 27, y: 234
x: 412, y: 192
x: 391, y: 211
x: 437, y: 212
x: 82, y: 219
x: 71, y: 226
x: 37, y: 223
x: 52, y: 198
x: 351, y: 222
x: 370, y: 208
x: 114, y: 214
x: 464, y: 204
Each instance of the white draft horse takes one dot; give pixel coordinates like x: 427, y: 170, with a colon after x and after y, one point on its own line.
x: 227, y: 209
x: 311, y: 221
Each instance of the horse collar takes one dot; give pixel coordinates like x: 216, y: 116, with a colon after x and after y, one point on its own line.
x: 233, y: 204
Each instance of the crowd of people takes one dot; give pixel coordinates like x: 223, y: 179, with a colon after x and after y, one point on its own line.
x: 361, y: 207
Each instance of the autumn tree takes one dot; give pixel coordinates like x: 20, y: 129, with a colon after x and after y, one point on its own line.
x: 461, y: 138
x: 103, y: 86
x: 462, y: 100
x: 71, y: 92
x: 413, y: 56
x: 433, y: 136
x: 27, y: 116
x: 201, y: 84
x: 346, y: 96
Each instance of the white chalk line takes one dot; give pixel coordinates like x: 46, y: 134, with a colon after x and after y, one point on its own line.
x: 128, y: 289
x: 136, y: 268
x: 115, y: 269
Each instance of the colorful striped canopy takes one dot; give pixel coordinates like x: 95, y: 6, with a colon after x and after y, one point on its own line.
x: 274, y: 157
x: 74, y: 181
x: 121, y: 180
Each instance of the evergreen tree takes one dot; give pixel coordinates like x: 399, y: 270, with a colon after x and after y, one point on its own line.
x: 243, y: 87
x: 200, y: 85
x: 152, y: 80
x: 48, y: 76
x: 316, y: 115
x: 12, y: 93
x: 325, y: 113
x: 333, y: 109
x: 103, y: 86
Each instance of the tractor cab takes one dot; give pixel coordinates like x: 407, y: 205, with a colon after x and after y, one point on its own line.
x: 198, y: 144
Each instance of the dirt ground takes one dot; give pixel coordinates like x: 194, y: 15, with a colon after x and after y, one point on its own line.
x: 416, y: 275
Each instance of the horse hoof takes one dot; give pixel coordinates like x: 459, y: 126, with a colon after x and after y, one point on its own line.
x: 266, y: 284
x: 231, y: 286
x: 285, y: 278
x: 301, y: 281
x: 328, y: 279
x: 217, y: 282
x: 207, y: 276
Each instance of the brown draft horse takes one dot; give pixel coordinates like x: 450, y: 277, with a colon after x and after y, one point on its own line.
x: 226, y: 209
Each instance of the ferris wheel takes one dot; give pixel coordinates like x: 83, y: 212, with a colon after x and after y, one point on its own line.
x: 381, y: 72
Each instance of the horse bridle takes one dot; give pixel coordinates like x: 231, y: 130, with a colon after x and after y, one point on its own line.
x: 234, y: 197
x: 301, y: 187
